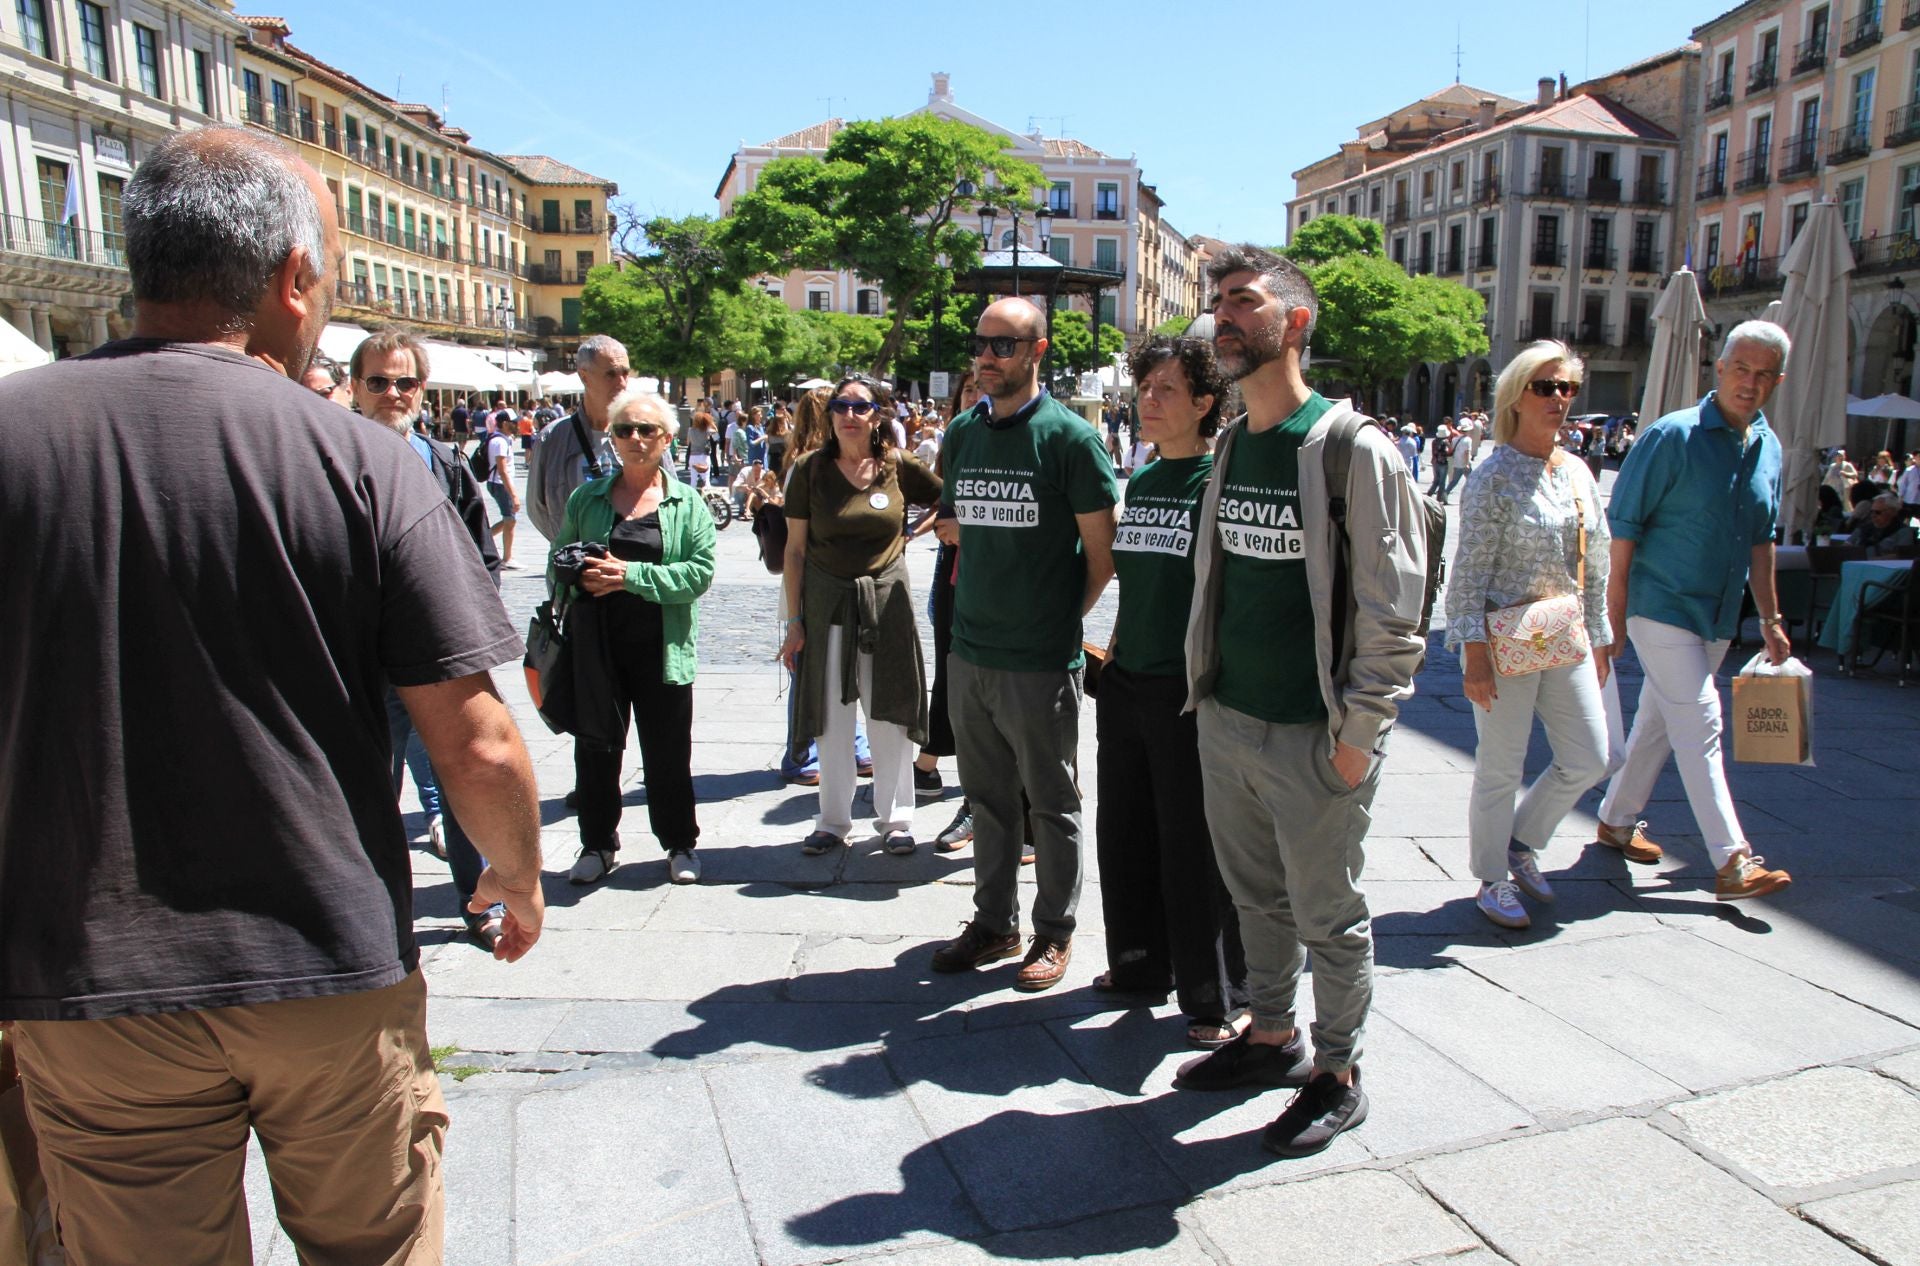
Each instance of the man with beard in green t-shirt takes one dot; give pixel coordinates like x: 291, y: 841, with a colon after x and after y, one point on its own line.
x: 1028, y: 499
x: 1303, y: 640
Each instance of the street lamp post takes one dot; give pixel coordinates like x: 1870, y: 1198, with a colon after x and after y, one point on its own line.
x: 504, y: 311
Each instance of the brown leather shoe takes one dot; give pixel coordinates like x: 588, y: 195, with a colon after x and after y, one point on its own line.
x: 1046, y: 963
x: 973, y: 947
x: 1631, y: 841
x: 1745, y: 875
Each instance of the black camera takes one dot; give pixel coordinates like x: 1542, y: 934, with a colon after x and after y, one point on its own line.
x: 570, y: 560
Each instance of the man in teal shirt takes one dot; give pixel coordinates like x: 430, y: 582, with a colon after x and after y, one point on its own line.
x: 1692, y: 518
x: 1028, y: 499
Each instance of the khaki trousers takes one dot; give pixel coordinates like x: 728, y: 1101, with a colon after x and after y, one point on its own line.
x: 143, y: 1122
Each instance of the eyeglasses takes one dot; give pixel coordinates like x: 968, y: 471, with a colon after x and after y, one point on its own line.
x: 1544, y: 387
x: 1002, y: 344
x: 645, y: 430
x: 379, y: 383
x: 858, y: 408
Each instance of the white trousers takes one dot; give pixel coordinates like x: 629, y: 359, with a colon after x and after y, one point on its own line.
x: 892, y: 755
x: 1679, y: 715
x: 1567, y: 701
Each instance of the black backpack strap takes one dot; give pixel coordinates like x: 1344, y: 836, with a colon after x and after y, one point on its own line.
x: 1337, y: 456
x: 594, y: 469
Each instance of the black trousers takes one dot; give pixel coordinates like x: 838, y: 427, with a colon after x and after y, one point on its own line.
x: 663, y: 717
x: 939, y: 724
x: 1169, y: 917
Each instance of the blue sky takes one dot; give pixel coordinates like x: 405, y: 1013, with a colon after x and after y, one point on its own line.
x: 1220, y: 102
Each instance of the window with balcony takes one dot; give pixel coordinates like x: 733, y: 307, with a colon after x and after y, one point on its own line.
x: 1106, y: 201
x: 356, y: 218
x: 53, y: 189
x: 1863, y: 31
x: 1109, y: 310
x: 1486, y: 256
x: 1106, y: 254
x: 1811, y: 54
x: 1540, y: 324
x: 113, y: 225
x: 1796, y: 220
x: 583, y: 215
x: 1551, y: 180
x: 1604, y: 184
x: 1909, y: 195
x: 1547, y: 250
x: 1720, y: 88
x: 282, y: 105
x: 1060, y: 198
x: 33, y: 26
x: 1645, y: 255
x: 1852, y: 196
x: 1423, y: 261
x: 1709, y: 247
x: 146, y: 58
x: 1599, y: 252
x: 582, y: 265
x: 1766, y: 62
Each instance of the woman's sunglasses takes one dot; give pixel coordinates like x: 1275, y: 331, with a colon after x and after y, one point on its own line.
x: 645, y: 430
x: 858, y: 408
x: 1544, y: 387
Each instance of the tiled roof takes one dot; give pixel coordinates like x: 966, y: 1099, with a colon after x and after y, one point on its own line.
x: 815, y: 137
x: 1067, y: 147
x: 542, y: 170
x: 264, y: 23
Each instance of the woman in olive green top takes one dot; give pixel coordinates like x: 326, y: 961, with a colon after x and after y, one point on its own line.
x: 639, y: 616
x: 846, y: 579
x: 1169, y: 918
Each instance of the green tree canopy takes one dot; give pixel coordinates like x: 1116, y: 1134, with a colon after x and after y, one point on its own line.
x: 882, y: 202
x: 1376, y: 322
x: 1329, y: 237
x: 1073, y: 342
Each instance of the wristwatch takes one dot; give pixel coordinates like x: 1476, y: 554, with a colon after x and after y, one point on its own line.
x: 1772, y: 620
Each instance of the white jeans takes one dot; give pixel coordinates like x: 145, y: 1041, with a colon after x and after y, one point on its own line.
x: 892, y: 756
x: 1567, y: 701
x: 1679, y: 714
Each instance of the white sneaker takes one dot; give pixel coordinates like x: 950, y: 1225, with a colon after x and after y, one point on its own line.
x: 1526, y: 873
x: 514, y: 565
x: 591, y: 867
x: 683, y: 866
x: 437, y: 837
x: 1500, y: 902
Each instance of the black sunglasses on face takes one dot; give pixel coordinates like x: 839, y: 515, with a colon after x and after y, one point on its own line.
x: 645, y: 430
x: 858, y: 408
x: 1544, y: 387
x: 1002, y: 344
x: 378, y: 384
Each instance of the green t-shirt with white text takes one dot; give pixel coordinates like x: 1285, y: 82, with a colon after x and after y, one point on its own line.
x: 1267, y: 667
x: 1015, y: 491
x: 1153, y: 561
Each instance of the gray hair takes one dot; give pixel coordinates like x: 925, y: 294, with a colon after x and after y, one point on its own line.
x: 1760, y: 333
x: 596, y: 347
x: 1286, y: 281
x: 1888, y: 501
x: 640, y: 397
x: 212, y: 214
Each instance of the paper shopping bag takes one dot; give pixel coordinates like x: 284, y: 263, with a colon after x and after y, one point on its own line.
x: 1772, y: 719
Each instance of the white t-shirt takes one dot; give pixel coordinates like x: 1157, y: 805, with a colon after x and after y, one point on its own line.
x: 928, y: 452
x: 1463, y: 452
x: 498, y: 446
x: 1142, y: 454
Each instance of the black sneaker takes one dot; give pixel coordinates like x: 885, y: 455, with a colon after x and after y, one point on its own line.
x: 1242, y: 1063
x: 1323, y: 1108
x: 958, y: 832
x: 926, y: 782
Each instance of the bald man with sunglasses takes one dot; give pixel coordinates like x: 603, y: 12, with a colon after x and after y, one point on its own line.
x: 1029, y: 499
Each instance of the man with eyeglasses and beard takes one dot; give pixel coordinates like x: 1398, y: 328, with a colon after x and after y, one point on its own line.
x: 1029, y: 499
x: 388, y: 376
x: 1301, y: 643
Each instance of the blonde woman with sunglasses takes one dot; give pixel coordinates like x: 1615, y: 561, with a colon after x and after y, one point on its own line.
x: 1526, y: 512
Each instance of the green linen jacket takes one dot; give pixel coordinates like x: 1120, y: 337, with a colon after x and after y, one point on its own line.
x: 687, y: 538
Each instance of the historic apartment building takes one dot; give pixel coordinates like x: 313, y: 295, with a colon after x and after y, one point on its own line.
x: 1804, y: 100
x: 89, y: 89
x: 1102, y: 215
x: 1561, y: 212
x: 441, y: 235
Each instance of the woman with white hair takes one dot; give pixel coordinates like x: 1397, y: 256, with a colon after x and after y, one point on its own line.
x: 635, y: 610
x: 1531, y: 529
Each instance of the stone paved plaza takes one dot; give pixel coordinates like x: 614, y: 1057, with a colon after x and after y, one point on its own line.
x: 763, y: 1069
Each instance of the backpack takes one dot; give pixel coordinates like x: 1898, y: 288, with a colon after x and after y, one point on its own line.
x: 477, y: 460
x: 1338, y: 455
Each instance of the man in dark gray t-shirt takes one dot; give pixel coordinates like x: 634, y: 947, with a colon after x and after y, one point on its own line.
x: 212, y: 577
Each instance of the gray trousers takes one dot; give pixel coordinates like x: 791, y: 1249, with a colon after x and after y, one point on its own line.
x: 1016, y: 732
x: 1289, y: 835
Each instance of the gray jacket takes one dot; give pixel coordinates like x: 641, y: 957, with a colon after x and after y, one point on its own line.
x: 556, y: 466
x: 1372, y: 671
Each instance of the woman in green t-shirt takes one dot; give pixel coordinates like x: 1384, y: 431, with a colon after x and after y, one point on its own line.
x: 1169, y: 919
x: 851, y: 608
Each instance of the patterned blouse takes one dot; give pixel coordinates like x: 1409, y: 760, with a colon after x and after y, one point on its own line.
x: 1519, y: 542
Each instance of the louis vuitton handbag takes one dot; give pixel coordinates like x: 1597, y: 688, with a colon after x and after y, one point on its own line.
x: 1532, y: 637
